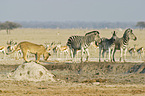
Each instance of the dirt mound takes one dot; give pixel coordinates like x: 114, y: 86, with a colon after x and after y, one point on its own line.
x: 31, y: 72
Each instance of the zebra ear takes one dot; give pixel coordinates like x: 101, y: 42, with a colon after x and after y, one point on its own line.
x: 131, y: 30
x: 114, y: 32
x: 97, y: 32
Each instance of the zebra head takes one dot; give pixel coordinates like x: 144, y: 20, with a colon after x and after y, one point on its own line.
x: 129, y: 33
x: 114, y: 36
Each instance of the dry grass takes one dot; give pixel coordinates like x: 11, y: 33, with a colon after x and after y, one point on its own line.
x: 40, y: 36
x: 120, y: 84
x: 49, y: 35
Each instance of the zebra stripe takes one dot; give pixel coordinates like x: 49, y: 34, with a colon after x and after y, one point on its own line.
x: 121, y: 43
x: 82, y: 43
x: 106, y: 45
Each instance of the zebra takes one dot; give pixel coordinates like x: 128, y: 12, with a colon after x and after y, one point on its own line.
x: 121, y: 43
x: 107, y: 46
x: 82, y: 43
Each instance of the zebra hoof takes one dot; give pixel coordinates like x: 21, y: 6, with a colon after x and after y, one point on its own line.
x: 114, y: 61
x: 120, y: 59
x: 86, y: 61
x: 111, y: 61
x: 105, y: 61
x: 99, y: 60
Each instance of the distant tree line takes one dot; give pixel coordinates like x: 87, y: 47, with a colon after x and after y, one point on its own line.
x: 84, y: 25
x: 69, y: 25
x: 9, y: 26
x: 141, y: 24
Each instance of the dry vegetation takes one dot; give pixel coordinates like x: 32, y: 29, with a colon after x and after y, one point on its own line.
x: 86, y: 79
x: 49, y: 35
x: 40, y: 36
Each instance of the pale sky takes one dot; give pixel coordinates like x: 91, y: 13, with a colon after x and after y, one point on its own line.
x: 73, y: 10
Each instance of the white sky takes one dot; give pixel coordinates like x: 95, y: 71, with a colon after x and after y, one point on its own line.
x: 73, y: 10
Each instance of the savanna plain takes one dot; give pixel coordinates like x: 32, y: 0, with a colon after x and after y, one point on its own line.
x: 90, y: 78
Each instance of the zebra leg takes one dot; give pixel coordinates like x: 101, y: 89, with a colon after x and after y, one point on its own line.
x: 103, y: 54
x: 100, y: 54
x: 88, y: 54
x: 71, y: 53
x: 82, y: 51
x: 114, y: 54
x: 74, y: 54
x: 108, y: 52
x: 124, y: 54
x: 121, y: 51
x: 111, y: 53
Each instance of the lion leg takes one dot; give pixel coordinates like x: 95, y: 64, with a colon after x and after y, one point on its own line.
x: 37, y: 56
x: 25, y: 55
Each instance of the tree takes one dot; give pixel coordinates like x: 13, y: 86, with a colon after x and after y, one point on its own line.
x: 140, y: 24
x: 9, y: 26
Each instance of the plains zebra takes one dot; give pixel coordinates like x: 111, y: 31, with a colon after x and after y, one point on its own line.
x: 121, y: 43
x: 82, y: 43
x: 106, y: 45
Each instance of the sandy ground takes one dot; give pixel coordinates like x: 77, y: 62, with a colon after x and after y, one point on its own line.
x: 77, y: 79
x: 74, y: 79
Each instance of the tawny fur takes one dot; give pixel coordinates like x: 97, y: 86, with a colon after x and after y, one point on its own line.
x: 31, y: 48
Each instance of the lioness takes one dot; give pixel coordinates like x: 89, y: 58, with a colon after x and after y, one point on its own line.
x: 32, y: 48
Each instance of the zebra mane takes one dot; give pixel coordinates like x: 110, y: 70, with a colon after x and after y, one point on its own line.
x: 92, y: 33
x: 126, y: 32
x: 126, y: 35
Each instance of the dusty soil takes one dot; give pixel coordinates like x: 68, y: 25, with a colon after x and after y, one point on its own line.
x: 91, y: 78
x: 78, y: 79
